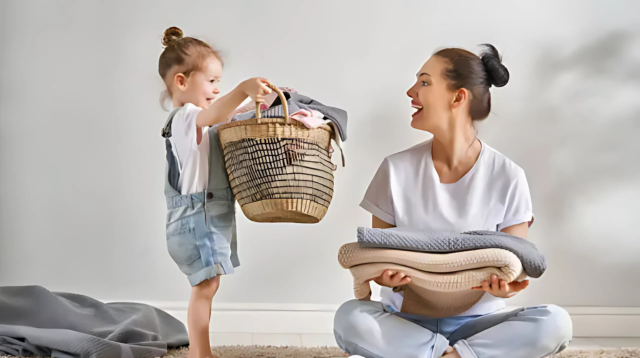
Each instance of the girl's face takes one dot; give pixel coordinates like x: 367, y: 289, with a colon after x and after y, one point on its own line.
x: 201, y: 87
x: 431, y: 97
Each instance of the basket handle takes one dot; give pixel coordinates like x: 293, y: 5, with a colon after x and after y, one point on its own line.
x: 283, y: 99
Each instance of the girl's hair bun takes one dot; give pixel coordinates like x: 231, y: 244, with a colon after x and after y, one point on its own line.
x: 172, y: 34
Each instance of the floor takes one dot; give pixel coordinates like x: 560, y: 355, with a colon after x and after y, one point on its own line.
x: 269, y: 339
x: 599, y: 343
x: 320, y: 340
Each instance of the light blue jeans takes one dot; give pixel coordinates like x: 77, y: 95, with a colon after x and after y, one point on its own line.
x: 365, y: 328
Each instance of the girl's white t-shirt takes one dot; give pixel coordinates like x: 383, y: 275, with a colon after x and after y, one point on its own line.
x: 193, y: 158
x: 406, y: 192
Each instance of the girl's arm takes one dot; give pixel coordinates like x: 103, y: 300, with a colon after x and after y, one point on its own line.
x: 220, y: 110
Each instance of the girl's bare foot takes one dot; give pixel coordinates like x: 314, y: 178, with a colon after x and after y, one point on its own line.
x: 194, y: 354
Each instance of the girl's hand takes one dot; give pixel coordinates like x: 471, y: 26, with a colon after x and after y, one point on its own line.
x: 392, y: 279
x: 500, y: 288
x: 222, y: 109
x: 256, y: 88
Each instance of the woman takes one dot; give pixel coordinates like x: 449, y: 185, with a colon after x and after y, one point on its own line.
x: 452, y: 182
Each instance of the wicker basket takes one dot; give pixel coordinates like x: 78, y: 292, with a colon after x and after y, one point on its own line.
x: 280, y: 170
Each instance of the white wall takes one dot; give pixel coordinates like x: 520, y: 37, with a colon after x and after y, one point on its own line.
x: 81, y: 158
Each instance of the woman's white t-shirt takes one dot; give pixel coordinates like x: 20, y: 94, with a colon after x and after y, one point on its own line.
x: 193, y: 158
x: 407, y: 192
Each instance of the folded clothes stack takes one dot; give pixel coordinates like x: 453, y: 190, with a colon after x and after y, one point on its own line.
x: 443, y: 266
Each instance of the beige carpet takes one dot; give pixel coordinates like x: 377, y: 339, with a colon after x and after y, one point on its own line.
x: 298, y: 352
x: 603, y: 353
x: 266, y: 352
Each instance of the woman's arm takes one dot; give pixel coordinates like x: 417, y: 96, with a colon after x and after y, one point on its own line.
x: 501, y: 288
x: 519, y: 230
x: 388, y: 278
x: 380, y: 224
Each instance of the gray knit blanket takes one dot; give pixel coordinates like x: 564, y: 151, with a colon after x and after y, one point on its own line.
x: 37, y: 322
x: 532, y: 260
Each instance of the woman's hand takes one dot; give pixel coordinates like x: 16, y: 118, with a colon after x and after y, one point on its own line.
x: 389, y: 279
x: 392, y: 279
x: 256, y: 88
x: 501, y: 288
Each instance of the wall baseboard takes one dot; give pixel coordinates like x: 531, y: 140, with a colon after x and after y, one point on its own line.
x: 318, y: 319
x: 605, y: 321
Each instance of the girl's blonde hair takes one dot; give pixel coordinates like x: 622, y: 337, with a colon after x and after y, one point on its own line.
x: 186, y: 53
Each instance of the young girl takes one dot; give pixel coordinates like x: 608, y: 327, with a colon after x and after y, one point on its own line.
x: 201, y: 227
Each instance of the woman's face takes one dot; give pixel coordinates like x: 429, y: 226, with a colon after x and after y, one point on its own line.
x: 431, y: 97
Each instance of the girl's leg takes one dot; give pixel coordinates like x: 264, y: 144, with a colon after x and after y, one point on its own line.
x: 365, y: 328
x: 198, y: 317
x: 527, y: 333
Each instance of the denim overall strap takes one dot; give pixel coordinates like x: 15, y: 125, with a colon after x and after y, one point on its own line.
x: 219, y: 189
x: 173, y: 168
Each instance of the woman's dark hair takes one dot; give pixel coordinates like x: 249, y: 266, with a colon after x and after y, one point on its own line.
x: 476, y: 74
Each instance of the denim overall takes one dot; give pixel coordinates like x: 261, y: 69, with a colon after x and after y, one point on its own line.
x: 201, y: 227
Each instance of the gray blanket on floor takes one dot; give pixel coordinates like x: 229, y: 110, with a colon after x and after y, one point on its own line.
x: 37, y: 322
x: 532, y: 260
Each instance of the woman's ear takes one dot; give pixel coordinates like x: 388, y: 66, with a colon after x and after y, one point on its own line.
x: 460, y: 97
x: 180, y: 81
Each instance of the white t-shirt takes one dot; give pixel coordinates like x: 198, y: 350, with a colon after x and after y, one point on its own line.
x: 193, y: 158
x: 406, y: 192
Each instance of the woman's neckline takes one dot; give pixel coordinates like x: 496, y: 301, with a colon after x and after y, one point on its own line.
x: 466, y: 175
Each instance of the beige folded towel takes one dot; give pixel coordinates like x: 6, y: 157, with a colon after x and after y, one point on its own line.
x: 440, y: 283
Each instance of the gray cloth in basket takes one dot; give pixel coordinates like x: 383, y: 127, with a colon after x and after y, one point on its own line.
x: 532, y: 260
x: 37, y: 322
x: 296, y: 102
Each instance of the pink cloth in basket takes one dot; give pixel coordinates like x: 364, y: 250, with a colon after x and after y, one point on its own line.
x: 311, y: 119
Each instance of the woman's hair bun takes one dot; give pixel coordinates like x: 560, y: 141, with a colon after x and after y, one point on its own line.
x: 497, y: 74
x: 171, y: 34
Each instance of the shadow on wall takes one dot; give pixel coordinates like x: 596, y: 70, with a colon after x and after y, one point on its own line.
x: 582, y: 126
